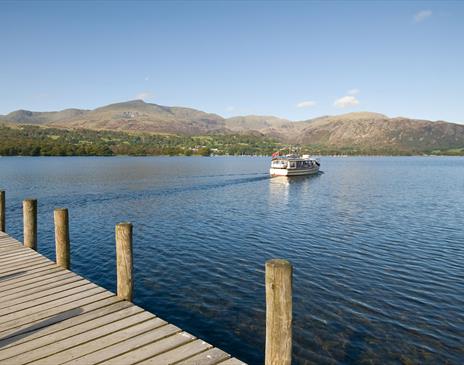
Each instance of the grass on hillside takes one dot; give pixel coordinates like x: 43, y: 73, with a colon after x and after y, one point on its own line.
x: 39, y: 141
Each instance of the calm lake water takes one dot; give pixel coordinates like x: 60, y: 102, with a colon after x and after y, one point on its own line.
x: 377, y: 246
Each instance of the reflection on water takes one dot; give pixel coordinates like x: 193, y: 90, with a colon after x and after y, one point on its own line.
x: 279, y: 188
x: 377, y: 246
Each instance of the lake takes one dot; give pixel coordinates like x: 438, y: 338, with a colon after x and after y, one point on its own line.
x: 377, y: 245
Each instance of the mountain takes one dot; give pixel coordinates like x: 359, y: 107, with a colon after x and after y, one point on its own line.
x: 28, y: 117
x: 278, y: 128
x: 144, y: 117
x: 363, y: 131
x: 372, y: 131
x: 133, y: 115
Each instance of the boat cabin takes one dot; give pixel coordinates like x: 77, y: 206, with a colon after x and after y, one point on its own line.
x: 291, y: 163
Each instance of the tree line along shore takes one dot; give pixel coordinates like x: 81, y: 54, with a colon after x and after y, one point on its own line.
x: 31, y: 140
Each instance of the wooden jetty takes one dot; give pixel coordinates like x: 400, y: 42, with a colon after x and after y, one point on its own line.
x: 50, y: 315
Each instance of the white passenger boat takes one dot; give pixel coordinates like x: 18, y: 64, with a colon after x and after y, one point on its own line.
x: 293, y: 165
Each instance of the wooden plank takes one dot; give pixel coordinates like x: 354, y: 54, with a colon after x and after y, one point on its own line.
x: 22, y: 277
x: 179, y: 353
x: 4, y: 236
x: 67, y: 343
x: 45, y: 283
x: 232, y: 361
x: 26, y: 267
x: 4, y: 241
x: 12, y: 250
x: 49, y: 316
x: 24, y: 262
x: 84, y: 314
x: 42, y: 296
x: 102, y: 342
x: 19, y: 259
x: 50, y: 338
x: 84, y: 292
x: 208, y: 357
x: 129, y: 344
x: 6, y: 245
x: 67, y: 317
x: 5, y: 258
x: 11, y: 276
x: 150, y: 350
x: 7, y: 239
x: 10, y: 247
x: 73, y: 289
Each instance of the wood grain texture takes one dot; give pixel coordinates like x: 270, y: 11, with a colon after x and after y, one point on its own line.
x: 278, y: 312
x: 62, y: 245
x: 208, y: 357
x: 179, y: 353
x: 124, y: 260
x: 126, y: 346
x: 233, y: 361
x: 30, y: 223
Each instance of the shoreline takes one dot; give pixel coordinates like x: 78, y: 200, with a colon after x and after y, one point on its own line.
x: 223, y: 156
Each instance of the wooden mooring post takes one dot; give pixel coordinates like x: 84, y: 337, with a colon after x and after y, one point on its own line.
x: 62, y: 245
x: 30, y: 223
x: 2, y: 211
x: 278, y: 312
x: 124, y: 260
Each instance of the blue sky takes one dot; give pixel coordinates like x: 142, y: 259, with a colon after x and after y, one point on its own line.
x: 295, y: 60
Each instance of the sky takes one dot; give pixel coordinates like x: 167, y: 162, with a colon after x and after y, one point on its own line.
x: 295, y: 60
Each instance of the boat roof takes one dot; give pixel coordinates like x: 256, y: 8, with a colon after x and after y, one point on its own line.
x: 293, y: 158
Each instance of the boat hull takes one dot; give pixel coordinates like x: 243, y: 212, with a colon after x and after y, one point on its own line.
x: 293, y: 172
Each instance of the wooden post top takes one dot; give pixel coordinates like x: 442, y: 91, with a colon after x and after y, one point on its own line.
x: 124, y: 224
x: 278, y: 263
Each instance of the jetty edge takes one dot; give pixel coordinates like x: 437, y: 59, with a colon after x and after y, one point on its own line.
x: 49, y: 314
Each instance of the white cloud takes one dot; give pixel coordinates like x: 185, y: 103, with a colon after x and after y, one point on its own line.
x: 230, y: 108
x: 144, y: 95
x: 353, y: 91
x: 346, y: 101
x: 306, y: 104
x: 147, y: 78
x: 422, y: 15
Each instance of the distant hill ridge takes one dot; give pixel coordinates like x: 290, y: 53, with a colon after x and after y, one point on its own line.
x: 360, y: 129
